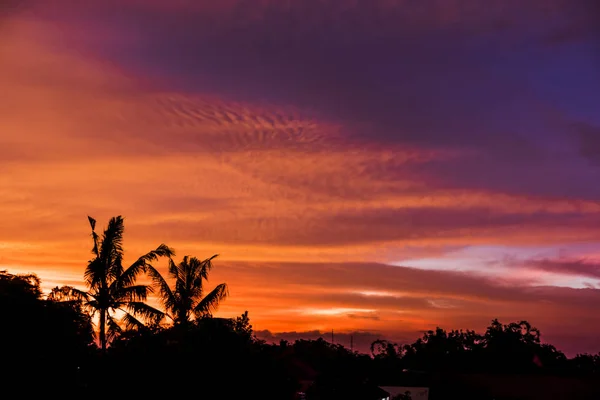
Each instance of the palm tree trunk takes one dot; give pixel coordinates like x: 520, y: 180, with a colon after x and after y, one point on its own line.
x: 103, y: 330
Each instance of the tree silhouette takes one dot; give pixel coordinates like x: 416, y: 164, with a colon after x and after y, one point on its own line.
x: 187, y: 299
x: 381, y: 349
x: 242, y: 326
x: 512, y: 348
x: 38, y: 333
x: 112, y: 288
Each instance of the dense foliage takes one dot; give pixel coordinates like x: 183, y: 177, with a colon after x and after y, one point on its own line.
x: 42, y: 342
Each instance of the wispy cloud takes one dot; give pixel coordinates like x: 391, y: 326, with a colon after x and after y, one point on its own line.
x: 586, y: 268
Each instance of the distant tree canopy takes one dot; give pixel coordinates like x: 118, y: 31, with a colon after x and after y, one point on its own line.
x: 512, y: 348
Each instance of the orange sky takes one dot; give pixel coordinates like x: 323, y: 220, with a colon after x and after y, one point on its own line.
x: 305, y: 205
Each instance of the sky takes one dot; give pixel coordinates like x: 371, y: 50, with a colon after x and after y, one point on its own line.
x: 373, y: 167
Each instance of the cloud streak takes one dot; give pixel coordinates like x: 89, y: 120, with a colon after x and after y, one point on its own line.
x: 567, y: 267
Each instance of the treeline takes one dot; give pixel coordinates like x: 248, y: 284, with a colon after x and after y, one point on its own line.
x: 512, y: 348
x: 48, y: 346
x: 107, y: 341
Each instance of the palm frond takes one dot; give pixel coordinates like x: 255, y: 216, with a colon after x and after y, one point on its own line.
x: 113, y: 328
x: 141, y: 264
x: 161, y: 251
x: 94, y: 273
x: 147, y: 312
x: 196, y: 287
x: 111, y: 248
x: 193, y: 278
x: 132, y: 293
x: 164, y: 251
x: 128, y: 277
x: 200, y: 274
x: 207, y: 266
x: 115, y: 267
x: 94, y: 235
x: 132, y: 322
x: 182, y: 272
x: 210, y: 302
x: 173, y: 269
x: 181, y: 281
x: 67, y: 294
x: 164, y: 290
x: 92, y: 222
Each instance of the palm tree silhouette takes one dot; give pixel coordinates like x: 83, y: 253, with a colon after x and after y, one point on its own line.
x: 112, y: 288
x: 187, y: 298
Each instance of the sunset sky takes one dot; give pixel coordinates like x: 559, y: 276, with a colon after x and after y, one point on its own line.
x: 371, y: 166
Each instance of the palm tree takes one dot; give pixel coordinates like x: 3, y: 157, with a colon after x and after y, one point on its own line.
x: 111, y: 287
x: 187, y: 298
